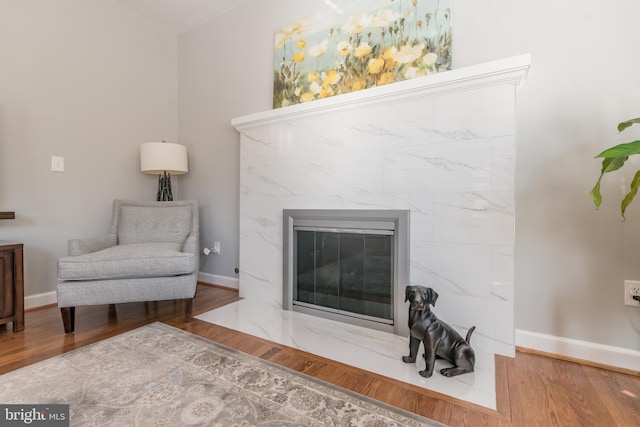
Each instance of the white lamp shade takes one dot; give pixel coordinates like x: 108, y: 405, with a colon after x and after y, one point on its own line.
x: 158, y: 157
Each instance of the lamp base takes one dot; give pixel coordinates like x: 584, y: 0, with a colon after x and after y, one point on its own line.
x: 164, y: 188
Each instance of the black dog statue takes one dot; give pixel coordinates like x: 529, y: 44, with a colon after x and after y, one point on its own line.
x: 440, y: 339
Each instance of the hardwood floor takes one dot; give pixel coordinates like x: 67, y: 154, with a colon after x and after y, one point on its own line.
x: 533, y: 390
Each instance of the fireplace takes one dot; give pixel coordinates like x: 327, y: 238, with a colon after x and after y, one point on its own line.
x: 346, y: 265
x: 440, y: 147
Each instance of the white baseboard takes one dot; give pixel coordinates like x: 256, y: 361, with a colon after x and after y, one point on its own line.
x: 216, y: 279
x: 38, y: 300
x: 598, y: 353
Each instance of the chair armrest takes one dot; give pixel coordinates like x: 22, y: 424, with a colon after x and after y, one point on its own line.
x: 191, y: 244
x: 91, y: 244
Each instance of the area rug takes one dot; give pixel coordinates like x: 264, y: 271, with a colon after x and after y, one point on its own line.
x: 162, y: 376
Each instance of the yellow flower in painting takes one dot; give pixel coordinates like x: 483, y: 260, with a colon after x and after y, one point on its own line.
x: 318, y: 50
x: 359, y: 85
x: 390, y: 53
x: 375, y: 65
x: 389, y: 57
x: 298, y: 91
x: 390, y: 64
x: 307, y: 96
x: 298, y: 57
x: 343, y: 48
x: 363, y: 50
x: 384, y: 79
x: 430, y: 58
x: 357, y: 23
x: 330, y: 77
x: 408, y: 54
x: 384, y: 18
x: 302, y: 43
x: 313, y: 76
x: 326, y: 92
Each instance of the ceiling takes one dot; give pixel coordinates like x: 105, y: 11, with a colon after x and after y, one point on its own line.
x: 180, y: 15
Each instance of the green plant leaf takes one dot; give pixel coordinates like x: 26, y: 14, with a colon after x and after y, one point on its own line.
x: 620, y: 150
x: 595, y: 194
x: 631, y: 194
x: 611, y: 164
x: 608, y: 165
x: 623, y: 125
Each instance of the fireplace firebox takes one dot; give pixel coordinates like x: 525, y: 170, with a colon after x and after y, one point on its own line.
x: 346, y: 265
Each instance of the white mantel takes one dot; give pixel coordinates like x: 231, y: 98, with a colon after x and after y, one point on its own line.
x: 441, y: 146
x: 511, y: 70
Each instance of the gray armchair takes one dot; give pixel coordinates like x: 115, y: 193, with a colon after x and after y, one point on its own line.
x: 150, y: 254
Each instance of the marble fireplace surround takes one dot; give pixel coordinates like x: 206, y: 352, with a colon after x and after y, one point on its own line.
x: 440, y: 146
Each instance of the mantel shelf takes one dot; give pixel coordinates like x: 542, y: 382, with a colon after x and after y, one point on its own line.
x: 509, y: 70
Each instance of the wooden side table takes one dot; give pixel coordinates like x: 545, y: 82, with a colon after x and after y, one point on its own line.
x: 11, y: 285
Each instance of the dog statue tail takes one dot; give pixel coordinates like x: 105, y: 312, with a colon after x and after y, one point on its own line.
x: 469, y: 332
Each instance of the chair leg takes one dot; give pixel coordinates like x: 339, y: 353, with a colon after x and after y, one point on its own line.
x: 68, y: 318
x: 188, y: 310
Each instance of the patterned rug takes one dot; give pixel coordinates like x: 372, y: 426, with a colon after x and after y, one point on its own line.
x: 162, y: 376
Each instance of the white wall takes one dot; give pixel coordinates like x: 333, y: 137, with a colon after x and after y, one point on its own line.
x: 88, y: 80
x: 570, y: 260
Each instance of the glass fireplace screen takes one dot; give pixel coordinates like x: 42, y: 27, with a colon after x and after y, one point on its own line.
x: 349, y: 272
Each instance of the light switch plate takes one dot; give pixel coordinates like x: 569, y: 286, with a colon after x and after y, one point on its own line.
x: 57, y: 164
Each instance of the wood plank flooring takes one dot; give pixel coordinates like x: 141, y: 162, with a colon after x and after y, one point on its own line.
x: 532, y: 390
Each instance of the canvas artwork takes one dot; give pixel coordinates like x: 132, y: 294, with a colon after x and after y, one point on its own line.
x: 366, y: 44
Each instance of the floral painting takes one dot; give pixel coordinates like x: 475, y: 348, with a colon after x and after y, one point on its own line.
x: 369, y: 43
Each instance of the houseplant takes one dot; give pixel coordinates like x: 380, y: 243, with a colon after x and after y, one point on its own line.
x: 613, y: 159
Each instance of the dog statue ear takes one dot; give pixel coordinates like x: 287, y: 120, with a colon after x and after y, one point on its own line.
x: 407, y: 291
x: 432, y: 296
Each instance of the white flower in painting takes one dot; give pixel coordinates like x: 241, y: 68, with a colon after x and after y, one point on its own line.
x: 281, y: 39
x: 384, y: 17
x: 357, y: 23
x: 343, y: 48
x: 410, y: 73
x: 289, y: 31
x: 413, y: 72
x: 408, y: 54
x: 318, y: 50
x: 430, y: 58
x: 315, y: 88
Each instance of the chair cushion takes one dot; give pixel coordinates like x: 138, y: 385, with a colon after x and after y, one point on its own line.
x: 128, y: 261
x: 145, y: 224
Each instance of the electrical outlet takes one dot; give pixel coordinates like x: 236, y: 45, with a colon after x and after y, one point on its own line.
x: 57, y: 164
x: 216, y: 248
x: 631, y: 289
